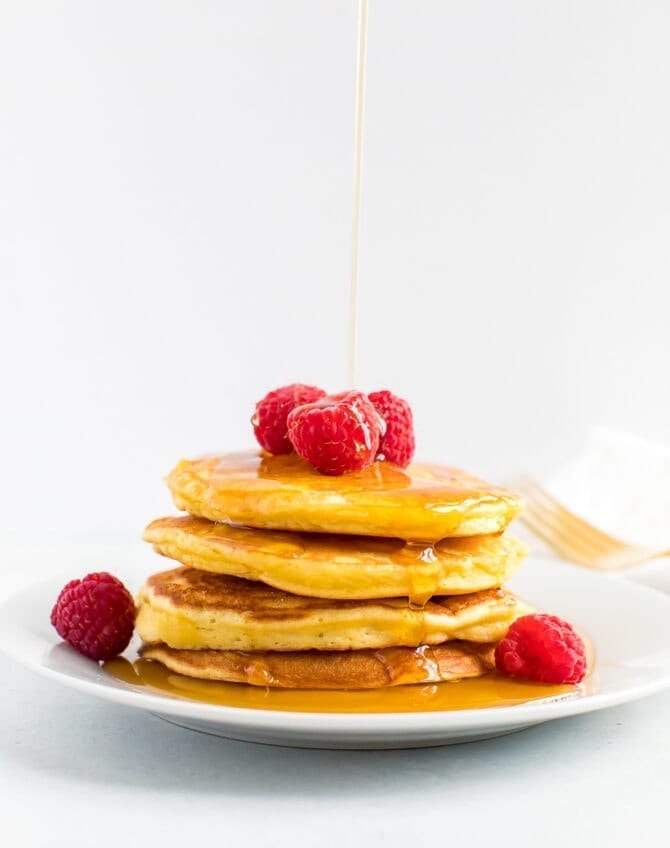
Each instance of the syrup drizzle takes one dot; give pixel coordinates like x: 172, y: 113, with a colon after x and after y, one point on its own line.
x: 358, y: 170
x: 423, y: 573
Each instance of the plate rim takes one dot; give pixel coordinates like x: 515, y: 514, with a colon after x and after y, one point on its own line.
x: 370, y: 724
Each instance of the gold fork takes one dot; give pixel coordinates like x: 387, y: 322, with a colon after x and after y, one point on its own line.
x: 573, y: 537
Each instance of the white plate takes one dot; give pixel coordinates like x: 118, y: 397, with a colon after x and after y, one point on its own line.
x: 628, y: 625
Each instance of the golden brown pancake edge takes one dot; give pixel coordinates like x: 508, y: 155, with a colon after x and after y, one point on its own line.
x: 422, y: 502
x: 336, y: 566
x: 191, y: 609
x: 364, y: 669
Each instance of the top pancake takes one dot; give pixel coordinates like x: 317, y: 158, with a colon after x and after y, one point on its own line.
x: 422, y: 502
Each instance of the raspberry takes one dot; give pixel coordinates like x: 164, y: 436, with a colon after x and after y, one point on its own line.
x: 337, y: 434
x: 397, y: 444
x: 542, y: 648
x: 96, y: 615
x: 269, y: 418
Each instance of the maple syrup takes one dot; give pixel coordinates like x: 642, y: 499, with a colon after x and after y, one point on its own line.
x: 358, y: 170
x: 423, y: 573
x: 492, y: 690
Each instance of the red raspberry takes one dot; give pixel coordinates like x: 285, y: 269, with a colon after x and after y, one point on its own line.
x: 397, y: 444
x: 95, y: 615
x: 542, y: 648
x: 269, y: 418
x: 337, y: 434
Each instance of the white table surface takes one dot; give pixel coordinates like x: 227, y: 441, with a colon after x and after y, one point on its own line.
x: 75, y: 770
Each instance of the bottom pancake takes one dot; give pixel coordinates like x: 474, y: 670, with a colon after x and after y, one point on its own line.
x: 358, y: 669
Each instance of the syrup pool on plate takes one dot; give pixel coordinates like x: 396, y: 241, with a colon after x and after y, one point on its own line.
x: 492, y: 690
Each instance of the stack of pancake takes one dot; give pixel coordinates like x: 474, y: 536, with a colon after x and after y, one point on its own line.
x: 293, y: 579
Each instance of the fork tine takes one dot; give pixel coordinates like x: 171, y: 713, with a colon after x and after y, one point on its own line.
x: 599, y: 541
x: 555, y: 521
x: 574, y: 537
x: 559, y: 543
x: 553, y: 532
x: 607, y: 562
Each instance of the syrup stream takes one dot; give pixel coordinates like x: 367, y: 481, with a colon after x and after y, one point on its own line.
x: 358, y: 168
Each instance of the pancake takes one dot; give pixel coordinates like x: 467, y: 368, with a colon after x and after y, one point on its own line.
x: 422, y: 502
x: 191, y: 609
x: 339, y: 567
x: 451, y: 661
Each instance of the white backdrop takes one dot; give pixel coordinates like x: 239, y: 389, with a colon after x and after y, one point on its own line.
x: 175, y: 212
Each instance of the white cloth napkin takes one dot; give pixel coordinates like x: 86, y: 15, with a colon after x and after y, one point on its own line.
x: 621, y: 484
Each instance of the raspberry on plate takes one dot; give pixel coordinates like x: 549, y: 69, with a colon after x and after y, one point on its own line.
x: 397, y: 444
x: 269, y: 418
x: 96, y: 615
x: 337, y: 434
x: 543, y: 648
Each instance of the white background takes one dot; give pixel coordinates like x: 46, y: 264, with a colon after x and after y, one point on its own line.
x: 175, y: 213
